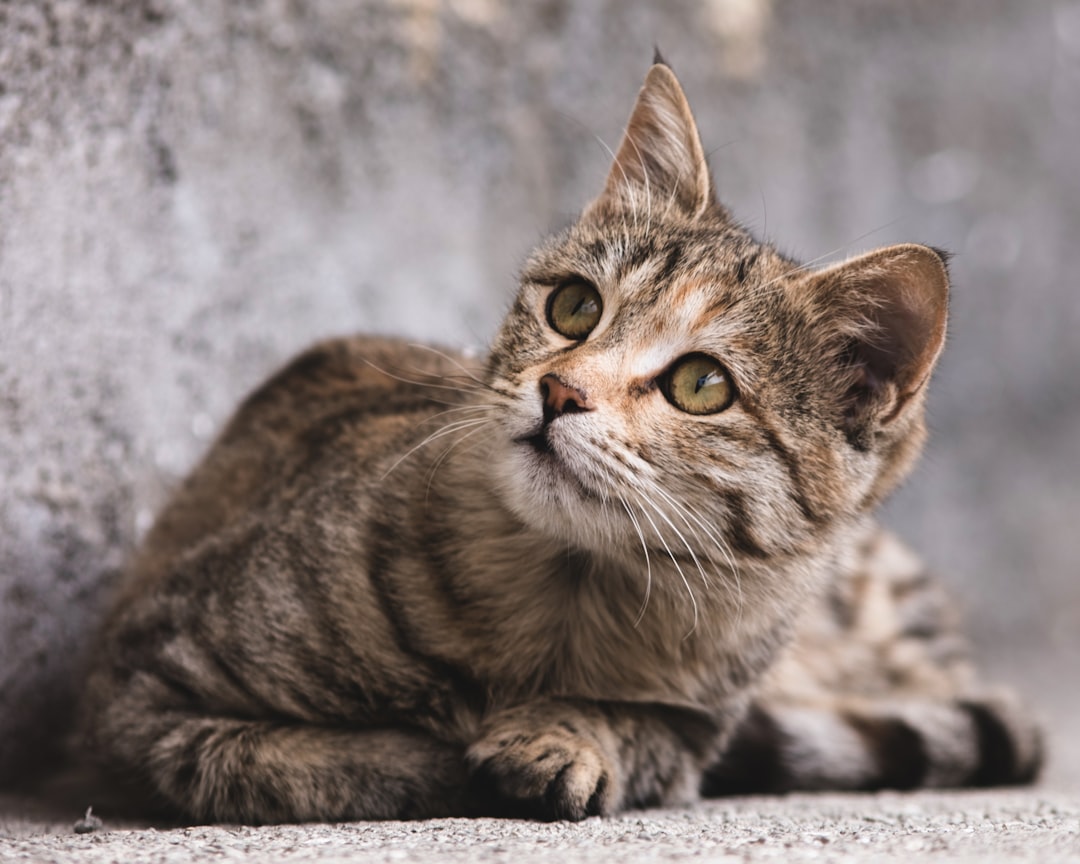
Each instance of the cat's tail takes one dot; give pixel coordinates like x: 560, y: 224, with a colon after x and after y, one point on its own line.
x: 984, y: 741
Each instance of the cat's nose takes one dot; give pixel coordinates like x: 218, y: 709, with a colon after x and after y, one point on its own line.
x: 560, y: 398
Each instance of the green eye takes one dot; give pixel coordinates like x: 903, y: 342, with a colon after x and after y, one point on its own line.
x: 574, y: 309
x: 698, y: 384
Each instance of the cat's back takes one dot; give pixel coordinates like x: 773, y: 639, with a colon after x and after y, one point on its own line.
x: 342, y: 411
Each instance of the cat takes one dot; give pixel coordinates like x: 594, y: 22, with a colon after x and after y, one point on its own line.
x: 627, y: 560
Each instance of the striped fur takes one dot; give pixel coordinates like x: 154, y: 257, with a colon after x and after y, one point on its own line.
x: 878, y: 691
x: 405, y: 584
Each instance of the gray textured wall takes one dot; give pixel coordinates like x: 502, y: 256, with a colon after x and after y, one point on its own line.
x: 191, y: 191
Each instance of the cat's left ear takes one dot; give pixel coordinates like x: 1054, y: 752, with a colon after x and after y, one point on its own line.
x: 887, y: 310
x: 660, y: 161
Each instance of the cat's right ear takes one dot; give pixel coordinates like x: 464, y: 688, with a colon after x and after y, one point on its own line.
x: 660, y: 163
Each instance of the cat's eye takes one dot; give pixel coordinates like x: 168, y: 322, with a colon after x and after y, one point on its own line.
x: 574, y: 309
x: 698, y: 384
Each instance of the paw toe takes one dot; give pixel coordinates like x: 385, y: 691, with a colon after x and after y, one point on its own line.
x: 539, y: 779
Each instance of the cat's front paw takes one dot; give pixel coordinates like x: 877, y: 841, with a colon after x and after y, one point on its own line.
x: 558, y: 771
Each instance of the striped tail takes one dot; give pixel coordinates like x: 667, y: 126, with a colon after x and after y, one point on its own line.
x: 986, y: 741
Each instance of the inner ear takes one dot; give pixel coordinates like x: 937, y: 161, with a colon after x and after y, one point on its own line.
x: 660, y: 162
x: 889, y: 309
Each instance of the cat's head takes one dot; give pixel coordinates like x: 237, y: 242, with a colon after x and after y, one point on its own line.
x: 672, y: 382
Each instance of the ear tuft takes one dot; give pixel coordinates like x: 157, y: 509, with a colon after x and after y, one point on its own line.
x: 660, y: 163
x: 889, y: 310
x: 944, y: 254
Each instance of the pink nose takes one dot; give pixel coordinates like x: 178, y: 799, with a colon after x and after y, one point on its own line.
x: 560, y: 398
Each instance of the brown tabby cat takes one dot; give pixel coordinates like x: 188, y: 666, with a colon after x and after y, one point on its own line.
x: 628, y: 560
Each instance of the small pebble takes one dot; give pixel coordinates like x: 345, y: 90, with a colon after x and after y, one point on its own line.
x: 89, y: 823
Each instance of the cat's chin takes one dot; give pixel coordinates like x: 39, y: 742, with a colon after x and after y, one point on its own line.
x: 536, y: 483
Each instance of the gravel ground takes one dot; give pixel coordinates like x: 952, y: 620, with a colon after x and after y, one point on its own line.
x: 1009, y: 825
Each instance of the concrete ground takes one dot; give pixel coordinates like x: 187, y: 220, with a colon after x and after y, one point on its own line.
x: 1038, y: 825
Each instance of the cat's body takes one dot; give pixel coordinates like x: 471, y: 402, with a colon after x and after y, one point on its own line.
x: 629, y: 558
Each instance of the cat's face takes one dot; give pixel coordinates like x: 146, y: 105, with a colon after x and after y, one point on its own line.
x: 689, y: 405
x: 670, y: 382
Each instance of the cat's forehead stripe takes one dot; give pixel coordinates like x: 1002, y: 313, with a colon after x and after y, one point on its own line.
x: 690, y: 295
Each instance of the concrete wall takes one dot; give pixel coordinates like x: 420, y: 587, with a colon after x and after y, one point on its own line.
x: 192, y: 191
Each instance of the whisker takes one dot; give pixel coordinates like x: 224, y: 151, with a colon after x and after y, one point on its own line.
x: 659, y: 512
x: 443, y: 456
x: 451, y: 359
x: 809, y: 264
x: 642, y: 482
x: 477, y: 407
x: 648, y: 561
x: 648, y: 187
x: 686, y: 514
x: 415, y: 383
x: 678, y: 569
x: 448, y: 429
x: 506, y: 394
x: 674, y: 191
x: 626, y: 183
x: 717, y: 540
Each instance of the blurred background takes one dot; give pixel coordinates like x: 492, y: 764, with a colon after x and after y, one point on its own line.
x: 190, y: 192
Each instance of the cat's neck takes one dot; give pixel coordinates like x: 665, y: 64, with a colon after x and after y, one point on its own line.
x: 551, y: 615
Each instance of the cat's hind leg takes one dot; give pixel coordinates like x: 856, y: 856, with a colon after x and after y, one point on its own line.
x: 877, y: 691
x: 220, y: 769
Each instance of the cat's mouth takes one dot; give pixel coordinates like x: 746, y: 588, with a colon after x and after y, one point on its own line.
x: 554, y: 465
x: 548, y: 456
x: 539, y: 442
